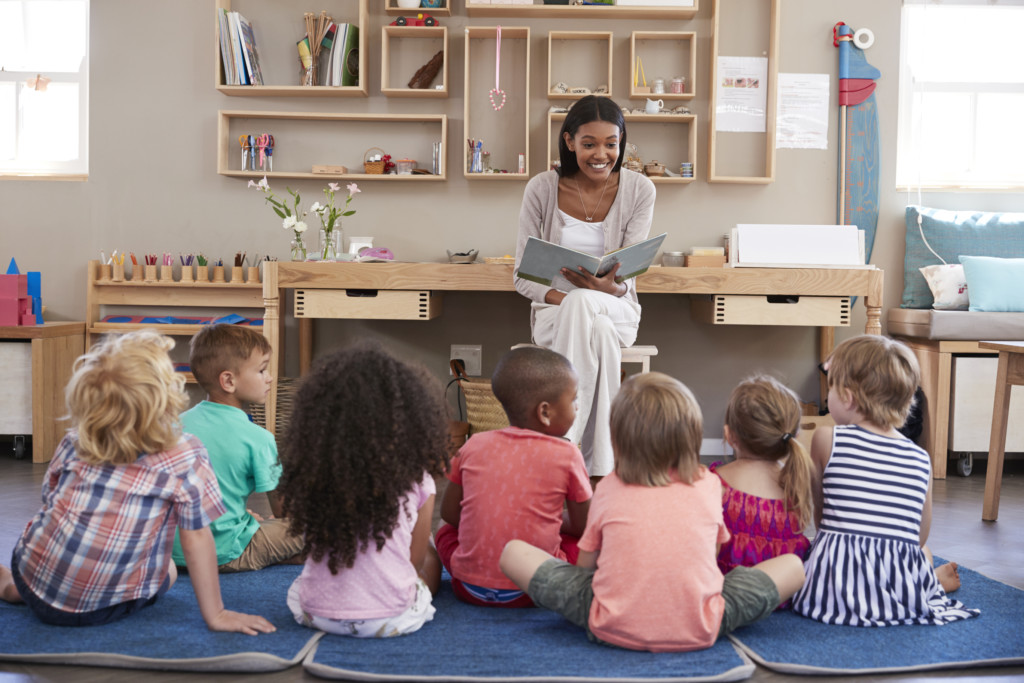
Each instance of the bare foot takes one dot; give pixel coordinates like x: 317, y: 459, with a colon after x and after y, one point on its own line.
x: 948, y: 576
x: 8, y: 592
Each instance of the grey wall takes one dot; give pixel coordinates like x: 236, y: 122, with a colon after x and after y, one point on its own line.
x: 153, y: 185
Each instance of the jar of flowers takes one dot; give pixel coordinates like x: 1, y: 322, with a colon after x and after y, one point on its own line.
x: 330, y: 219
x: 291, y: 216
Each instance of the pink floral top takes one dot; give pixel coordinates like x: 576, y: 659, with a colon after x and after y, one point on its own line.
x: 761, y: 529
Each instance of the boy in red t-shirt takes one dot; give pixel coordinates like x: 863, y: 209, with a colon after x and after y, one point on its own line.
x: 513, y: 483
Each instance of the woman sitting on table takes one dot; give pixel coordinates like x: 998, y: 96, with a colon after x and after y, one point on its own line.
x: 591, y: 204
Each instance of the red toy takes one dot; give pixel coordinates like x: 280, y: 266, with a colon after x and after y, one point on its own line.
x: 420, y: 20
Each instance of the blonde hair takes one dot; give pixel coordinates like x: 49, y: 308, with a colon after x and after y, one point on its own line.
x: 881, y: 373
x: 763, y: 416
x: 657, y: 428
x: 124, y: 398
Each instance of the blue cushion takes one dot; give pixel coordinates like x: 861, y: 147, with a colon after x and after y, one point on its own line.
x: 950, y: 234
x: 994, y: 284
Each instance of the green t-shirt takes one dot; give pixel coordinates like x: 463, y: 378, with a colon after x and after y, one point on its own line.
x: 244, y: 458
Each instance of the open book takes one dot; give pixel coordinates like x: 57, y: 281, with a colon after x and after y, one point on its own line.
x: 542, y: 261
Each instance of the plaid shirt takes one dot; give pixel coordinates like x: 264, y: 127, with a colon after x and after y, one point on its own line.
x: 104, y: 533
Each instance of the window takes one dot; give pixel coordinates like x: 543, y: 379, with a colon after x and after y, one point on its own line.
x: 961, y: 95
x: 44, y: 88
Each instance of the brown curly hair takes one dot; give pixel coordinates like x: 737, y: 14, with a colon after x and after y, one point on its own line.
x: 365, y: 427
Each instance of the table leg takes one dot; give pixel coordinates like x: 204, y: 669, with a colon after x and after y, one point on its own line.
x: 826, y: 343
x: 997, y: 440
x: 305, y: 345
x: 272, y: 331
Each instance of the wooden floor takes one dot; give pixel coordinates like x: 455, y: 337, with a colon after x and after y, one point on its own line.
x: 992, y: 548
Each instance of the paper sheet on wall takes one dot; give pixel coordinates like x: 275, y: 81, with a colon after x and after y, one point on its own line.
x: 741, y: 94
x: 802, y: 114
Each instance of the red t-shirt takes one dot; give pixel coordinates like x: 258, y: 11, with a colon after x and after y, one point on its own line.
x: 515, y: 482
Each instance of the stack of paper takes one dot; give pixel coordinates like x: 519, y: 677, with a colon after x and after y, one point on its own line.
x: 797, y: 246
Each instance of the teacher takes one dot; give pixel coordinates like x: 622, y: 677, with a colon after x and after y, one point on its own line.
x: 590, y: 204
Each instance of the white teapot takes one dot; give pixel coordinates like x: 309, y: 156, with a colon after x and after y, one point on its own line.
x: 654, y: 106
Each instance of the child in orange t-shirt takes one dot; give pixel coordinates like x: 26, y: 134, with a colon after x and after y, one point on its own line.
x: 647, y: 578
x: 514, y: 482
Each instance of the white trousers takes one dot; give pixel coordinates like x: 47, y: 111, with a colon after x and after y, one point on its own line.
x: 589, y: 328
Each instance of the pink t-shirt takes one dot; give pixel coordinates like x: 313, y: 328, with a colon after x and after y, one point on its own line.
x: 657, y: 586
x: 514, y: 483
x: 380, y: 583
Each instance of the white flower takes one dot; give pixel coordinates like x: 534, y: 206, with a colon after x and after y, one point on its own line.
x: 289, y: 223
x: 317, y: 207
x: 352, y: 189
x: 300, y: 226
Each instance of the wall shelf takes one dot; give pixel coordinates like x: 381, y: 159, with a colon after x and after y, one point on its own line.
x: 540, y: 11
x: 661, y: 57
x: 588, y: 48
x: 392, y: 9
x: 408, y: 61
x: 300, y: 142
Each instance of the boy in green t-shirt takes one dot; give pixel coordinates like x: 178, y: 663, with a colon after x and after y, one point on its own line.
x: 230, y: 364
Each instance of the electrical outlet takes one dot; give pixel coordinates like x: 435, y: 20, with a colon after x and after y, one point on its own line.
x: 471, y: 354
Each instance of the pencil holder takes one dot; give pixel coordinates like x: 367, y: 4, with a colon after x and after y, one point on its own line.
x: 186, y: 273
x: 254, y: 274
x: 136, y: 272
x: 237, y: 275
x: 166, y: 273
x: 117, y: 274
x: 105, y: 272
x: 218, y: 273
x: 202, y: 273
x: 150, y: 273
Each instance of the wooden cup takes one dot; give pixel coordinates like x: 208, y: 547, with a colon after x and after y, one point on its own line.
x: 136, y: 273
x: 186, y: 273
x: 202, y: 273
x: 150, y: 274
x: 117, y: 273
x: 105, y: 272
x: 253, y: 274
x: 237, y: 275
x: 166, y: 273
x: 218, y: 274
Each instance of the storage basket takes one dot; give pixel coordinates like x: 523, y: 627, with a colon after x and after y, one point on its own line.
x: 373, y: 167
x: 483, y: 411
x: 286, y: 389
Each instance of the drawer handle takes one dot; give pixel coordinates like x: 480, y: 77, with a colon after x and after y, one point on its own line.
x: 361, y: 292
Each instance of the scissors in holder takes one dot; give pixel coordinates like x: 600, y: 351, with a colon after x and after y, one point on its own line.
x: 262, y: 142
x: 244, y: 141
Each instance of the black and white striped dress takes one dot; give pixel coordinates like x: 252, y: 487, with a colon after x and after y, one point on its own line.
x: 866, y: 566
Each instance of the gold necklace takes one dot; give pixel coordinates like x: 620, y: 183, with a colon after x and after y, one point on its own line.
x: 590, y: 217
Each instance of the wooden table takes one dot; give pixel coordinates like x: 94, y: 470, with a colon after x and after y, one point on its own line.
x: 55, y: 347
x: 1010, y: 373
x: 480, y: 277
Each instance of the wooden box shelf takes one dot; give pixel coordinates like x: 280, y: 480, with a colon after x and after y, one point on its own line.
x: 737, y: 309
x: 408, y: 61
x: 303, y: 134
x: 664, y: 54
x: 610, y: 12
x: 392, y: 9
x: 367, y: 304
x: 575, y: 58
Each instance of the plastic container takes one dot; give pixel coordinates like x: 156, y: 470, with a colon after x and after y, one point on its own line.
x: 678, y: 85
x: 406, y: 166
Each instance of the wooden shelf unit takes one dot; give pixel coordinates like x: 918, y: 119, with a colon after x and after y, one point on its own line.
x: 688, y: 120
x: 228, y: 148
x: 503, y: 134
x: 684, y: 64
x: 392, y: 9
x: 540, y: 11
x: 272, y: 54
x: 557, y: 66
x: 410, y: 33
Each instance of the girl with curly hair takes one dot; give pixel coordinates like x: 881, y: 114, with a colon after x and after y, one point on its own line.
x: 368, y: 435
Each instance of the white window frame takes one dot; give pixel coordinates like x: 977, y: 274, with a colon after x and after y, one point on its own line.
x: 73, y: 169
x: 908, y: 176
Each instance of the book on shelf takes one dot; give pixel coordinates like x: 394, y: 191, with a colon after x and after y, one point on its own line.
x: 337, y: 53
x: 543, y: 261
x: 326, y: 56
x: 249, y: 52
x: 350, y: 57
x: 224, y: 34
x: 236, y: 51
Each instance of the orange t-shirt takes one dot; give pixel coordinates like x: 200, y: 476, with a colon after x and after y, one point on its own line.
x: 657, y: 586
x: 514, y: 484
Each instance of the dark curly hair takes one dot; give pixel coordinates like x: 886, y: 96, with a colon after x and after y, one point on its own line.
x: 365, y: 427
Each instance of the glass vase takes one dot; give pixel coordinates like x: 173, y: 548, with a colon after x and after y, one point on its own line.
x: 330, y: 243
x: 298, y: 249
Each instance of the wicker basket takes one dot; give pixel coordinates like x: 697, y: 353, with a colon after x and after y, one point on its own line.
x: 483, y: 411
x: 373, y: 167
x: 286, y: 388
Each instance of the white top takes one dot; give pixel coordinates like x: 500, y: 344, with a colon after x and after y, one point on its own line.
x: 582, y: 236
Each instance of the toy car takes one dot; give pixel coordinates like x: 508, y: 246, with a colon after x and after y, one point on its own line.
x: 420, y: 20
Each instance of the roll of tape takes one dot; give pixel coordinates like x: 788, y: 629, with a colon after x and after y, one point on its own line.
x: 863, y: 38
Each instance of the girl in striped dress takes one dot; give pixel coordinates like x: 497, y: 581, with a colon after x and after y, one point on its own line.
x: 868, y: 565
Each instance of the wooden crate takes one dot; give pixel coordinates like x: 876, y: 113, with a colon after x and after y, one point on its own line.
x: 741, y: 309
x: 367, y: 304
x: 709, y: 261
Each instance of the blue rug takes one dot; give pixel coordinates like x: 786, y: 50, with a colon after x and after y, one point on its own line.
x: 469, y: 643
x: 171, y: 634
x: 789, y: 643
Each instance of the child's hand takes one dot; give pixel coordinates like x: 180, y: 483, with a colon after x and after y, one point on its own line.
x: 257, y: 516
x: 249, y: 624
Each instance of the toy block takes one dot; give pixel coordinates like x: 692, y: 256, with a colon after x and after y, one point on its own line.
x: 8, y: 311
x: 9, y: 286
x: 12, y: 268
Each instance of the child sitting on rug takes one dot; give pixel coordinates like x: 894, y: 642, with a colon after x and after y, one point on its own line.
x: 119, y: 482
x: 230, y: 363
x: 368, y: 435
x: 767, y: 502
x: 513, y: 482
x: 646, y: 578
x: 872, y: 486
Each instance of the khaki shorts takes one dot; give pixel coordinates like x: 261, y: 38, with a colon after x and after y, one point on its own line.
x: 750, y: 595
x: 271, y: 544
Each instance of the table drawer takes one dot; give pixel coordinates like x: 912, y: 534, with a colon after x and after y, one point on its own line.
x: 367, y: 304
x: 742, y: 309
